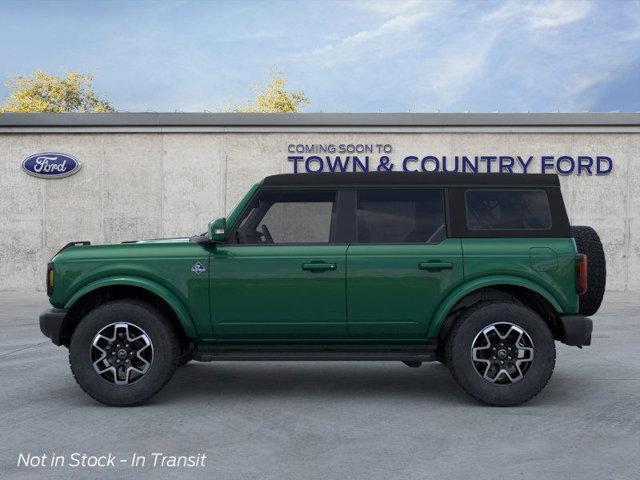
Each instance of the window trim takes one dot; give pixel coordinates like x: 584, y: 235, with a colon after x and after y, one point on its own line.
x: 232, y: 236
x: 445, y: 212
x: 560, y: 220
x: 517, y: 189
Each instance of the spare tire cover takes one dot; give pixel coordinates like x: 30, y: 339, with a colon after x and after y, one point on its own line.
x: 588, y: 242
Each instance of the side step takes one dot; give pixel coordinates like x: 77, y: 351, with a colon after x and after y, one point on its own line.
x: 423, y: 354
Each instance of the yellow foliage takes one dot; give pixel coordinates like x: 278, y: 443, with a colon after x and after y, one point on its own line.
x: 42, y: 92
x: 274, y: 98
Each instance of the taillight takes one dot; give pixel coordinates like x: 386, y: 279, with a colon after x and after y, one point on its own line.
x: 582, y: 274
x: 50, y: 278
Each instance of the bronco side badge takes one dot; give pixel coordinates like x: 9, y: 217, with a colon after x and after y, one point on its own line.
x: 198, y: 268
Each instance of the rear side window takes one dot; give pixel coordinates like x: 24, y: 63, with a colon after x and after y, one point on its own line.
x: 507, y: 210
x: 400, y: 216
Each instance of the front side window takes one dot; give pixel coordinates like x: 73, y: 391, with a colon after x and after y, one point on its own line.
x: 400, y: 216
x: 507, y: 210
x: 288, y: 217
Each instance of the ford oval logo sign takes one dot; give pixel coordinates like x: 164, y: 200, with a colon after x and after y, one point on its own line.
x: 51, y: 165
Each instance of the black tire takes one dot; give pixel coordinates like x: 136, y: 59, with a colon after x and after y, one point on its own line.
x: 185, y: 358
x: 459, y: 358
x: 588, y: 242
x: 165, y: 345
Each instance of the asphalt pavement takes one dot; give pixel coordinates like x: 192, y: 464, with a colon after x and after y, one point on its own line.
x: 322, y: 420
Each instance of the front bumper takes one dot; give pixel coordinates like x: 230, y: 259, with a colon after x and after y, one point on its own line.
x: 51, y: 322
x: 576, y: 330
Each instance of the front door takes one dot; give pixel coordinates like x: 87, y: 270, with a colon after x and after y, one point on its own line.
x: 401, y: 265
x: 281, y: 277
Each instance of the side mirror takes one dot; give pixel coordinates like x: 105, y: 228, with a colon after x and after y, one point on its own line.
x: 218, y: 230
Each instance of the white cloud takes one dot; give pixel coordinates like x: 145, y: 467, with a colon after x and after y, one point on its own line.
x: 465, y: 63
x: 578, y: 83
x: 450, y: 74
x: 567, y: 67
x: 255, y: 35
x: 632, y: 13
x: 391, y: 37
x: 539, y: 15
x: 519, y: 55
x: 559, y: 12
x: 506, y: 11
x: 390, y: 7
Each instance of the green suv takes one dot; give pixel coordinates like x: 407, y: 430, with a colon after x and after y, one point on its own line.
x: 480, y: 272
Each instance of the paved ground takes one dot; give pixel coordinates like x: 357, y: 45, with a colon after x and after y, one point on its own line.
x: 373, y: 421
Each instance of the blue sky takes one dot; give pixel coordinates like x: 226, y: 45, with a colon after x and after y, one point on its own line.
x: 360, y: 56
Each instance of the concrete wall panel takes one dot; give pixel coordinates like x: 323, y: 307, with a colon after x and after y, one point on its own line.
x: 132, y: 187
x: 22, y: 225
x: 248, y: 159
x: 602, y: 202
x: 193, y: 183
x: 78, y: 216
x: 633, y: 186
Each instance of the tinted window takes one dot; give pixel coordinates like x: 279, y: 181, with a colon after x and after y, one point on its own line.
x: 508, y: 210
x: 288, y: 217
x: 400, y: 216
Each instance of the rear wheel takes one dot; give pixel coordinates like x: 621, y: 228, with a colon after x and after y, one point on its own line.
x: 123, y: 352
x: 185, y: 358
x: 501, y: 353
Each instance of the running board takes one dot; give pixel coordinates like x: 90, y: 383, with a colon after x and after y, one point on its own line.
x: 315, y: 354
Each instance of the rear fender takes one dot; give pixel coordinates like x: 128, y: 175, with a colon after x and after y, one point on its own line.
x: 452, y: 300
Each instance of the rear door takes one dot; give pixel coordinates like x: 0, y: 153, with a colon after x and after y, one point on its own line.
x: 401, y: 265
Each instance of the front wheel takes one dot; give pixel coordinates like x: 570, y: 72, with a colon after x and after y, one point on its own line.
x: 123, y: 352
x: 501, y: 353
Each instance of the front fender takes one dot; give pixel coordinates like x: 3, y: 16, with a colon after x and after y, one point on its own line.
x: 462, y: 291
x: 153, y: 287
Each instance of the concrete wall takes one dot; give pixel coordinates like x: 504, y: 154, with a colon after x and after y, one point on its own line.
x: 146, y: 185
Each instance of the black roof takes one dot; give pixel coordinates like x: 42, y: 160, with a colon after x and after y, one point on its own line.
x: 410, y: 178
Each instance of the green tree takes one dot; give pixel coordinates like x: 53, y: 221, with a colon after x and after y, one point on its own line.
x: 273, y: 97
x: 42, y: 92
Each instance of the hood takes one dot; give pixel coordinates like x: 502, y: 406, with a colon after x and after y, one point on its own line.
x: 130, y: 248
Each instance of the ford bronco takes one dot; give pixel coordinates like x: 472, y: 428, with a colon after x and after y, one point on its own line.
x: 480, y: 272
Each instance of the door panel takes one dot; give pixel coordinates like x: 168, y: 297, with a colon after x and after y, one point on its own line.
x: 278, y: 292
x: 283, y: 277
x: 394, y: 290
x: 401, y: 264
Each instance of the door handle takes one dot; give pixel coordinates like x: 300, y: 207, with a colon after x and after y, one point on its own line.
x: 435, y: 266
x: 319, y: 266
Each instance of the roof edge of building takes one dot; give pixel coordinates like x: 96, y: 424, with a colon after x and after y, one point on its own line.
x: 284, y: 120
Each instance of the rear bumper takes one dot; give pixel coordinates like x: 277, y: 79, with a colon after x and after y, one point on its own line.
x: 576, y: 330
x: 51, y: 324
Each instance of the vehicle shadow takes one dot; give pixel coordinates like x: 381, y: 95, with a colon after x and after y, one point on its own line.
x: 323, y: 380
x: 334, y: 381
x: 236, y: 382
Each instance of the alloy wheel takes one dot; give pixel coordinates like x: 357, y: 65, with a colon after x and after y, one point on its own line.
x: 502, y: 353
x: 121, y: 353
